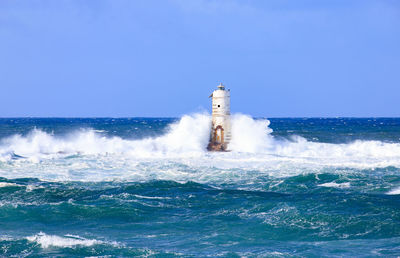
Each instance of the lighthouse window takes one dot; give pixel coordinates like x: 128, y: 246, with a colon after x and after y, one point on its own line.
x: 219, y: 105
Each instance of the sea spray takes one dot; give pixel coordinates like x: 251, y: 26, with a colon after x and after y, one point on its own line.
x: 250, y: 135
x: 189, y: 134
x: 179, y: 153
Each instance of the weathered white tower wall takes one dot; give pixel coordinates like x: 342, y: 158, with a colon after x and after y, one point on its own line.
x: 221, y: 121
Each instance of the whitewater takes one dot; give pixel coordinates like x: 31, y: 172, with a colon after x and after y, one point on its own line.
x: 148, y: 187
x: 93, y: 156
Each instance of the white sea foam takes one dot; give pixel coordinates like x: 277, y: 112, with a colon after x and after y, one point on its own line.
x: 45, y: 241
x: 151, y: 197
x: 29, y: 188
x: 336, y: 185
x: 394, y: 191
x: 6, y: 238
x: 180, y: 154
x: 5, y: 184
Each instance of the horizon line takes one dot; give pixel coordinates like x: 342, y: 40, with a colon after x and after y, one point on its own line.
x: 172, y: 117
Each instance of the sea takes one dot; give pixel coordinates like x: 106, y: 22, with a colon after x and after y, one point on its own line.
x: 147, y: 187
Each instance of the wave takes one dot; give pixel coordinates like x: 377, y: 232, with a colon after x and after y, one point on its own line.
x: 336, y: 185
x: 68, y: 245
x: 45, y: 241
x: 190, y: 134
x: 394, y: 191
x: 5, y: 184
x: 180, y: 154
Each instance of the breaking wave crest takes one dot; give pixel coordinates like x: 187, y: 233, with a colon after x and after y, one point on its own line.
x: 46, y: 241
x: 184, y: 143
x: 190, y: 134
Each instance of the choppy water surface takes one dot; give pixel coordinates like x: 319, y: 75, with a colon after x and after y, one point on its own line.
x: 139, y: 186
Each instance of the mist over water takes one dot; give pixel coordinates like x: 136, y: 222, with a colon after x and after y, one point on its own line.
x: 143, y: 186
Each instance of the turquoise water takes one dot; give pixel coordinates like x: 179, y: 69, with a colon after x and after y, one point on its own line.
x: 147, y: 187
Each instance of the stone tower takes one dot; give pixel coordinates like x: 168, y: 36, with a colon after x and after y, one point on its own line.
x: 221, y: 119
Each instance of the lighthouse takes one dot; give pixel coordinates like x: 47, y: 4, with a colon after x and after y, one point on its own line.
x: 221, y: 119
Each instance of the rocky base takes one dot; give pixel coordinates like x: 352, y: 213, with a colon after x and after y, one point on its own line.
x: 213, y: 146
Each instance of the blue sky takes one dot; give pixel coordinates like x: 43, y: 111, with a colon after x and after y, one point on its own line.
x: 124, y: 58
